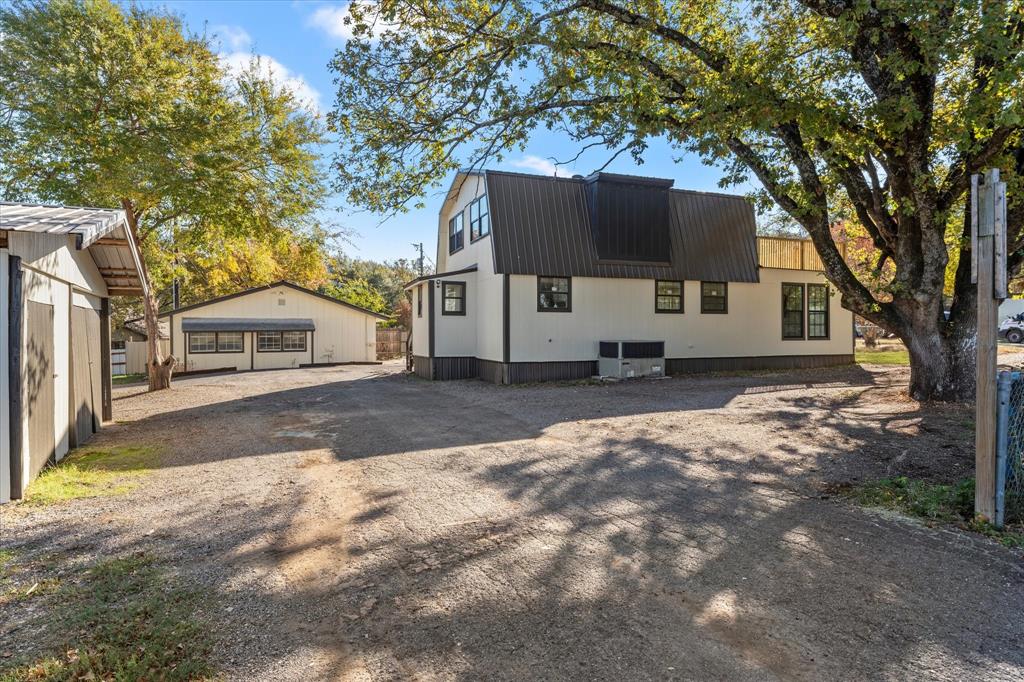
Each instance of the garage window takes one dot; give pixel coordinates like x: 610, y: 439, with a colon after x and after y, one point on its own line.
x: 230, y: 342
x: 293, y: 341
x: 267, y: 342
x: 202, y: 342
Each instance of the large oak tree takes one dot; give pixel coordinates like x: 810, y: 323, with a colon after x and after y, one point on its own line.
x: 104, y: 105
x: 887, y: 106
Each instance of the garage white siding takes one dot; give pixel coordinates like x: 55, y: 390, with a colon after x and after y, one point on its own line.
x: 343, y: 334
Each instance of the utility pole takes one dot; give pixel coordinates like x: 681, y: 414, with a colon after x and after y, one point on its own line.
x: 420, y: 247
x: 988, y: 271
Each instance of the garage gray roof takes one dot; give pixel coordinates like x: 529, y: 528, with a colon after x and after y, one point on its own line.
x: 246, y: 324
x: 543, y: 225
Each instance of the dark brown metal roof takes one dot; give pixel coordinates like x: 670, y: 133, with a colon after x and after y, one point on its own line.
x: 541, y: 225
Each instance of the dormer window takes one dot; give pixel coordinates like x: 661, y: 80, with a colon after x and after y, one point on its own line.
x: 455, y: 233
x: 479, y: 219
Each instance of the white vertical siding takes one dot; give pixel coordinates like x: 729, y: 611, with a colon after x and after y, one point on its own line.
x: 342, y: 334
x: 471, y: 253
x: 57, y: 256
x: 455, y: 335
x: 605, y: 308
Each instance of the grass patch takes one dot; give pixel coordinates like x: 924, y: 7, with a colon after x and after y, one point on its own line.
x: 127, y: 379
x: 126, y: 620
x: 92, y: 472
x: 938, y: 503
x: 883, y: 356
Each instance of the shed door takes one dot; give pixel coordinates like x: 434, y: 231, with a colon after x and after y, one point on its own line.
x: 86, y: 370
x: 38, y: 381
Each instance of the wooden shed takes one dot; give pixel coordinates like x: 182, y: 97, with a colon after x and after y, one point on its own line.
x: 59, y: 266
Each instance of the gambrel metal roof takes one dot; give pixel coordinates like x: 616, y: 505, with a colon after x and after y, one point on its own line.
x: 542, y: 225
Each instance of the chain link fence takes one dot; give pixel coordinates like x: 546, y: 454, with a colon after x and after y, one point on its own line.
x: 1010, y: 448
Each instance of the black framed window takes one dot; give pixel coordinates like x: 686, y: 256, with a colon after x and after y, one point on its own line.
x: 554, y: 294
x: 419, y: 301
x: 479, y: 219
x: 216, y: 342
x: 293, y: 341
x: 267, y: 342
x: 453, y: 296
x: 276, y: 342
x: 202, y: 342
x: 817, y: 311
x: 455, y: 233
x: 668, y: 296
x: 792, y: 311
x: 714, y: 297
x: 230, y: 342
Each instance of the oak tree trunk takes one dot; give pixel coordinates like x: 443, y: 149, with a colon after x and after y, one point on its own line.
x: 159, y: 369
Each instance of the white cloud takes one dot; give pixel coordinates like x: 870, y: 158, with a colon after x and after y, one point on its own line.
x: 335, y: 21
x: 237, y: 62
x: 234, y: 38
x: 536, y: 163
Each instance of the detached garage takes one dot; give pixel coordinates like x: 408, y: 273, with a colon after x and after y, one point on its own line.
x: 59, y: 266
x: 276, y: 326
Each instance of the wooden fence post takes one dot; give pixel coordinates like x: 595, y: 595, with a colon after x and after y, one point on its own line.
x: 988, y: 256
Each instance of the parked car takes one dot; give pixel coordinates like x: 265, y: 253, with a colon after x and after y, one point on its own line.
x: 1012, y: 328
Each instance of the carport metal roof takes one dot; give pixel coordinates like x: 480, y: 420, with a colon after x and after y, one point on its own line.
x: 246, y: 324
x: 104, y: 232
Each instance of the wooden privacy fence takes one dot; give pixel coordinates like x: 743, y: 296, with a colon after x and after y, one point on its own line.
x: 391, y: 342
x: 790, y: 253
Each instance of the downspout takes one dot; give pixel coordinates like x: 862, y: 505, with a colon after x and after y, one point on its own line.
x: 15, y: 316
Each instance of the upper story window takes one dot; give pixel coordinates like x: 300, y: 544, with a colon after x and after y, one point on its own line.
x: 479, y: 219
x: 554, y: 294
x: 454, y: 298
x: 714, y: 297
x: 455, y: 233
x: 817, y: 311
x: 792, y: 311
x: 668, y: 297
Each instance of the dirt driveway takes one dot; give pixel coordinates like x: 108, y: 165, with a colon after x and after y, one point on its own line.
x: 356, y: 523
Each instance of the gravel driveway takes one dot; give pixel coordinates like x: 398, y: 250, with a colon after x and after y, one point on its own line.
x: 358, y: 523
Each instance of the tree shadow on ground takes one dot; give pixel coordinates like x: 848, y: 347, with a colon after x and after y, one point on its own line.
x: 533, y: 544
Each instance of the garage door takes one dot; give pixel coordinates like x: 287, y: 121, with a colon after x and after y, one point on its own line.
x: 86, y: 372
x: 38, y: 380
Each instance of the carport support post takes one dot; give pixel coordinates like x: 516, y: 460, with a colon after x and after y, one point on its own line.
x: 106, y: 392
x: 988, y: 211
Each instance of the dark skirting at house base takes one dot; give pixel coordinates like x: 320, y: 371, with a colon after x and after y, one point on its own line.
x: 448, y: 368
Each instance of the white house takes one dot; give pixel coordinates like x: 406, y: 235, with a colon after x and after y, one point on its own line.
x: 59, y: 266
x: 534, y: 272
x: 276, y: 326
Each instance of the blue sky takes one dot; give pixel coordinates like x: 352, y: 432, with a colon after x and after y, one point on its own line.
x: 297, y: 39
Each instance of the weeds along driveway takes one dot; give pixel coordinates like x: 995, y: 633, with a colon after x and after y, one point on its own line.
x: 356, y: 523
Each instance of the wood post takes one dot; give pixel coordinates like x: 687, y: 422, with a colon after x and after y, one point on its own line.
x: 988, y: 207
x: 106, y: 389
